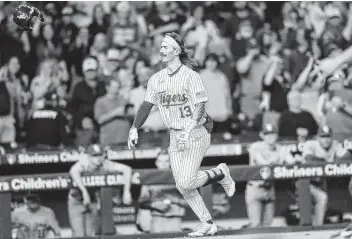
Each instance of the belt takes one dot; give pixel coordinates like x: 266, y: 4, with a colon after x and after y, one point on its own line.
x: 265, y: 186
x: 197, y: 127
x: 173, y: 129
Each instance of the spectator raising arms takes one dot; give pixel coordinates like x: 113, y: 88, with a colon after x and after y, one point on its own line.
x: 252, y: 68
x: 199, y: 32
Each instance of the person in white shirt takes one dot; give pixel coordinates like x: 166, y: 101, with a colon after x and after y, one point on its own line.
x: 137, y: 95
x: 219, y: 106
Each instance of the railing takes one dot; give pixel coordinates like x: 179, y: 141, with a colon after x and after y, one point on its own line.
x: 152, y: 176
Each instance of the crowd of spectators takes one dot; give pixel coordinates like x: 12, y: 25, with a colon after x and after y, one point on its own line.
x: 84, y: 70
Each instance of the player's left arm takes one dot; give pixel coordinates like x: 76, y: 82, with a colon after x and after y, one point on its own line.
x: 53, y: 223
x: 199, y: 97
x: 126, y: 171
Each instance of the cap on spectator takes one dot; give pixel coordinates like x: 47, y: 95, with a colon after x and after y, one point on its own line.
x: 123, y: 6
x: 113, y: 54
x: 67, y: 11
x: 325, y: 131
x: 332, y: 12
x: 90, y: 64
x: 269, y: 129
x: 31, y: 196
x: 95, y: 150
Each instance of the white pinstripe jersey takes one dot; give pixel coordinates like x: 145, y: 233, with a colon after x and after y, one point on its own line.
x: 176, y: 95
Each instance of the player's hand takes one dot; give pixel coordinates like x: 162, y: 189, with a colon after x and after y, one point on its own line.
x: 161, y: 206
x: 127, y: 198
x: 182, y: 140
x: 132, y: 138
x: 86, y: 199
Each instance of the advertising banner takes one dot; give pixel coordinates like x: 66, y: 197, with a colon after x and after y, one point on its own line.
x: 155, y: 176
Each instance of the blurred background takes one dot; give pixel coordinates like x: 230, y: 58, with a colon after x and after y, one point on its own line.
x: 79, y: 78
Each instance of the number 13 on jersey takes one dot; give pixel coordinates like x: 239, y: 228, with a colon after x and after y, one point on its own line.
x: 185, y: 111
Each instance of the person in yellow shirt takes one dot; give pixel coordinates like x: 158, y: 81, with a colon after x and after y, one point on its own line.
x: 34, y: 221
x: 83, y: 205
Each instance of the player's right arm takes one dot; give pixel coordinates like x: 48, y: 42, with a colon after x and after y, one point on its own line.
x: 148, y: 103
x: 76, y: 174
x: 143, y: 112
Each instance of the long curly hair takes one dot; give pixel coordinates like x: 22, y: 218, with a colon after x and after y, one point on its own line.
x: 186, y: 53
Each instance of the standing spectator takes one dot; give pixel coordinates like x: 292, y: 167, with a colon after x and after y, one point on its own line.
x: 164, y: 19
x: 310, y: 89
x: 166, y: 204
x: 98, y: 49
x: 137, y: 68
x: 337, y: 106
x: 16, y: 76
x: 321, y: 150
x: 275, y: 87
x: 48, y: 45
x: 10, y: 107
x: 100, y: 23
x: 298, y: 59
x: 82, y: 102
x: 252, y: 68
x: 83, y: 202
x: 67, y: 31
x: 110, y: 70
x: 198, y: 32
x: 126, y: 29
x: 239, y: 27
x: 47, y: 127
x: 79, y: 49
x: 52, y: 73
x: 34, y: 220
x: 154, y: 122
x: 126, y: 78
x: 219, y: 106
x: 109, y: 112
x: 295, y: 121
x: 260, y: 194
x: 154, y: 52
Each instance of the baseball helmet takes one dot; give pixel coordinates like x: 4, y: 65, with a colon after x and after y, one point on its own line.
x: 23, y: 16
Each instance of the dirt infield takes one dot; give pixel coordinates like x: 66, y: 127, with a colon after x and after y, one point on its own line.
x: 323, y: 232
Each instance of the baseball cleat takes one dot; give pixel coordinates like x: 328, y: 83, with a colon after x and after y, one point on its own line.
x: 205, y: 229
x: 227, y: 182
x: 344, y: 234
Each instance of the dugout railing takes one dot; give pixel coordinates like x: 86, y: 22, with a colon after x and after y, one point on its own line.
x: 62, y: 181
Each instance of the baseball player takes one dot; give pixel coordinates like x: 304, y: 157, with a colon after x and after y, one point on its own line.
x: 83, y: 203
x: 34, y: 221
x: 260, y: 194
x: 321, y: 150
x: 165, y: 202
x: 180, y: 95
